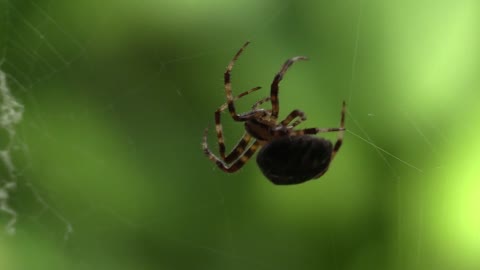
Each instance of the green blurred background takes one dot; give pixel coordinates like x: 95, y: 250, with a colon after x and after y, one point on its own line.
x: 116, y: 94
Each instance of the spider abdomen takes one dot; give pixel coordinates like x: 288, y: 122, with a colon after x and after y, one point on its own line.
x: 295, y: 159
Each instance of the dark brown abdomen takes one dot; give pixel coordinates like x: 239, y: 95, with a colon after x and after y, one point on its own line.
x: 293, y: 160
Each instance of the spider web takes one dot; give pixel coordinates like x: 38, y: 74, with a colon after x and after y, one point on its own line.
x: 11, y: 114
x: 25, y: 62
x: 137, y: 183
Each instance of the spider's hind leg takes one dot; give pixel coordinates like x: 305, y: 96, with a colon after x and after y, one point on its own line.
x: 294, y: 114
x: 235, y: 166
x: 219, y: 129
x: 340, y: 135
x: 341, y: 131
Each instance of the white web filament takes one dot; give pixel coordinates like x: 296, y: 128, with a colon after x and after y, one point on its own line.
x: 11, y: 112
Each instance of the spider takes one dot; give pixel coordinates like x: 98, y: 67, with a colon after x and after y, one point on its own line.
x: 287, y: 156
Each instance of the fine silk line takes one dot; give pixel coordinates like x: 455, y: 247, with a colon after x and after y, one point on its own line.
x: 386, y: 152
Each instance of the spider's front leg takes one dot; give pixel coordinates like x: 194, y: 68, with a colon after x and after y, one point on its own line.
x: 228, y: 87
x: 276, y: 80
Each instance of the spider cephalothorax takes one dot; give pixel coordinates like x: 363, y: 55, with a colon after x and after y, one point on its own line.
x: 288, y: 156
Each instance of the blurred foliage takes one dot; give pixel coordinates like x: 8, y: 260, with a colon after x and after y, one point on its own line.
x: 118, y: 93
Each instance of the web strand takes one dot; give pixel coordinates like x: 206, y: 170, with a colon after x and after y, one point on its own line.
x: 386, y: 152
x: 25, y: 49
x: 355, y: 56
